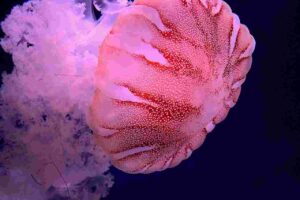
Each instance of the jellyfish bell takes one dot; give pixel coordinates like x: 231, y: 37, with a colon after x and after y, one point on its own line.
x: 168, y: 72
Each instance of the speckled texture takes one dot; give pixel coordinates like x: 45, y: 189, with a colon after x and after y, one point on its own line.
x: 168, y: 72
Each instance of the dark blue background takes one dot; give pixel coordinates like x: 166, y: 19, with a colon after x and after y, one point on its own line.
x: 255, y: 152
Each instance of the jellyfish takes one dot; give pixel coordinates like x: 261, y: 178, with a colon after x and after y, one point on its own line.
x: 168, y: 72
x: 137, y: 85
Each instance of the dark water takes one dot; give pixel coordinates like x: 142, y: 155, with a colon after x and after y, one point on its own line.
x: 255, y: 152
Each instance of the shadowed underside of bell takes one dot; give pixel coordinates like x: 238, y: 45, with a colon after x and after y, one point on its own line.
x: 168, y: 72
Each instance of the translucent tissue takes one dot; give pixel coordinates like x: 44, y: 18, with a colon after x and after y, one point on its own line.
x: 46, y: 148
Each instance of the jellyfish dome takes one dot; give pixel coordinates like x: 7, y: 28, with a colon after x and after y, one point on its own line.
x: 168, y: 72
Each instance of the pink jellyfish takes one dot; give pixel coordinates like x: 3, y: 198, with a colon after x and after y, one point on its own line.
x: 168, y: 72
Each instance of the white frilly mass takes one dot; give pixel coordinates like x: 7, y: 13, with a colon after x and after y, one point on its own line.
x: 46, y: 148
